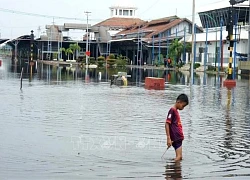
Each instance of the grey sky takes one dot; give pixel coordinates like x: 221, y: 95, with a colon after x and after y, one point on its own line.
x: 13, y: 25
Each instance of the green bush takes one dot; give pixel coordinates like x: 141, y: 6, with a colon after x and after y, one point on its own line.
x: 121, y: 62
x: 92, y: 60
x: 100, y: 58
x: 100, y: 63
x: 111, y: 62
x: 196, y: 65
x: 111, y: 56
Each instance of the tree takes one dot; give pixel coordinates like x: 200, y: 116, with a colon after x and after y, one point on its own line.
x: 74, y: 48
x: 175, y: 50
x: 67, y: 51
x: 62, y: 50
x: 188, y: 47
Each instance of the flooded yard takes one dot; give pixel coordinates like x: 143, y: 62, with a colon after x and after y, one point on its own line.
x: 62, y: 125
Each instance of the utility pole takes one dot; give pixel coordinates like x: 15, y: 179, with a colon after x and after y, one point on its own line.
x: 87, y: 40
x: 248, y: 57
x: 193, y: 44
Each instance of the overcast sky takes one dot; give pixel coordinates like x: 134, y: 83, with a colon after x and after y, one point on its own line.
x: 13, y: 24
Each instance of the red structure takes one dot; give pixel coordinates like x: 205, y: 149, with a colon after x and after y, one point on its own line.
x: 229, y: 83
x: 154, y: 83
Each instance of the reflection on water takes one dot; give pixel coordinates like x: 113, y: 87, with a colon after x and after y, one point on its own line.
x: 60, y: 127
x: 58, y: 73
x: 173, y: 171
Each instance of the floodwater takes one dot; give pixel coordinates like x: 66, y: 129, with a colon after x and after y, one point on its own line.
x: 66, y: 125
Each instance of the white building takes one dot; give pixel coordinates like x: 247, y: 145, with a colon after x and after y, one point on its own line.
x: 123, y: 9
x: 211, y: 17
x: 241, y: 46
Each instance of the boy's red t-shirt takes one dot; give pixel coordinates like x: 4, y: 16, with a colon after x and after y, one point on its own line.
x: 175, y: 125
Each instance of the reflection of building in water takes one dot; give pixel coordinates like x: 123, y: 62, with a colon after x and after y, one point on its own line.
x: 173, y: 171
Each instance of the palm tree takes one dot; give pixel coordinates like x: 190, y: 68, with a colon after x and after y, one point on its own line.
x: 68, y: 51
x: 62, y: 50
x: 175, y: 50
x: 74, y: 48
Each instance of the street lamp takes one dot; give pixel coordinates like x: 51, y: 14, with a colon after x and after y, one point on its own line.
x: 193, y: 45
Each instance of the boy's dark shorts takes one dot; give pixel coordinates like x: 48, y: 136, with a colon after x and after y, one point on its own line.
x: 177, y: 144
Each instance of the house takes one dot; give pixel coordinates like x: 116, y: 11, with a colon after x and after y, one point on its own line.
x: 148, y: 42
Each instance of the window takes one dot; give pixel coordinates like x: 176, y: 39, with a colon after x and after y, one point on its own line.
x: 131, y: 12
x: 190, y: 29
x: 120, y: 12
x: 116, y: 12
x: 125, y: 12
x: 132, y: 35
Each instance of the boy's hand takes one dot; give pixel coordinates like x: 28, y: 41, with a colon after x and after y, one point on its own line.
x: 169, y: 142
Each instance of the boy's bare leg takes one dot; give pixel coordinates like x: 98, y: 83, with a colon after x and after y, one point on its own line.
x: 178, y: 153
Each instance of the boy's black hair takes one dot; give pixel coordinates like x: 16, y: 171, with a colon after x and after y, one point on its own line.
x: 182, y: 98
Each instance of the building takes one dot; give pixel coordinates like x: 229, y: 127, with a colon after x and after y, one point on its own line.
x: 122, y: 16
x: 214, y: 19
x: 143, y: 42
x: 148, y: 42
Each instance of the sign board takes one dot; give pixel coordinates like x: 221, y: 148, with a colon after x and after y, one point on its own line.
x: 88, y: 53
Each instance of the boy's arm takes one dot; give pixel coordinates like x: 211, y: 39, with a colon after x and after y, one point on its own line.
x: 169, y: 142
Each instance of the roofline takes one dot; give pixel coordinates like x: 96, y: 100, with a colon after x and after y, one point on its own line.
x: 200, y: 28
x: 100, y: 23
x: 220, y: 5
x: 123, y: 7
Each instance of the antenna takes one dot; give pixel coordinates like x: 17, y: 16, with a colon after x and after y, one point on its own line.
x: 38, y: 31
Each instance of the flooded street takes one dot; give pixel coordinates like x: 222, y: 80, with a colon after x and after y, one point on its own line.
x: 62, y: 125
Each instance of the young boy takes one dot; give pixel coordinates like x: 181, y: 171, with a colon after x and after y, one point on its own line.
x: 173, y: 126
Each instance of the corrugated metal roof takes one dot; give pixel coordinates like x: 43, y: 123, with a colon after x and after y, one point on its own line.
x: 219, y: 5
x: 155, y: 26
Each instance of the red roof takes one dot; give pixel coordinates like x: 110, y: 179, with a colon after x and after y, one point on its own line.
x: 120, y: 22
x: 155, y: 27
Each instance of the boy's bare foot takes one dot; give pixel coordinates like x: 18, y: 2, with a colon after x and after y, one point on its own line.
x: 178, y: 159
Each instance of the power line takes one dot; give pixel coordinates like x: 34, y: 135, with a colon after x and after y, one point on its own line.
x: 80, y: 19
x: 149, y: 7
x: 71, y: 18
x: 38, y: 15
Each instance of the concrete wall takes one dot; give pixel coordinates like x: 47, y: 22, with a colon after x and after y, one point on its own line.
x: 180, y: 29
